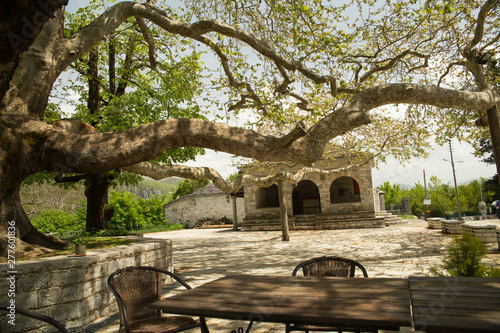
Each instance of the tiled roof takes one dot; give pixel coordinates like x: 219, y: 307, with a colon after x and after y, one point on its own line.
x: 210, y: 189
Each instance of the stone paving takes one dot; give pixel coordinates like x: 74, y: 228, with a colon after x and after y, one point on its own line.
x: 202, y: 255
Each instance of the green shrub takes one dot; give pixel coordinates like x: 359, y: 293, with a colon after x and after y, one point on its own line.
x: 133, y: 214
x: 127, y: 211
x: 464, y: 259
x: 130, y: 213
x: 57, y: 221
x: 152, y: 209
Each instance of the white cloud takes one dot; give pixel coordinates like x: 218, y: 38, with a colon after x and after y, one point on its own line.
x: 220, y: 161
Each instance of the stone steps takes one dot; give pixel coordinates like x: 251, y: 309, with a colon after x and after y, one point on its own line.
x: 391, y: 219
x: 316, y: 222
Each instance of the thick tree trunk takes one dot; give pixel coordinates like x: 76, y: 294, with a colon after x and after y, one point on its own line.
x: 283, y: 212
x: 12, y: 215
x: 235, y: 213
x: 18, y: 160
x: 494, y: 126
x: 98, y: 210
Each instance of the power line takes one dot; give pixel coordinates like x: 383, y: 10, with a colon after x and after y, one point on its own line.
x: 439, y: 148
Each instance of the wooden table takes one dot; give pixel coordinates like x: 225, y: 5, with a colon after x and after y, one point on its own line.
x: 355, y: 302
x: 456, y: 304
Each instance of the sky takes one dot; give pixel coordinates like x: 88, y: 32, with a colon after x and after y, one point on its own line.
x: 467, y: 167
x: 438, y: 163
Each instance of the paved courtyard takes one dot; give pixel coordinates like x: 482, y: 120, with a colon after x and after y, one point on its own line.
x: 202, y: 255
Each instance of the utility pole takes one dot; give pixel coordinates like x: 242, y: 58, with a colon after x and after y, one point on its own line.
x: 426, y: 201
x: 481, y: 188
x: 455, y: 180
x: 425, y: 186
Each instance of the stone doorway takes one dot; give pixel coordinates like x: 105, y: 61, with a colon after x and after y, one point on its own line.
x: 306, y: 198
x: 345, y: 189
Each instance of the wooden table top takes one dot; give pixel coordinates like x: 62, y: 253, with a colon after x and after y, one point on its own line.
x: 353, y: 302
x: 456, y: 304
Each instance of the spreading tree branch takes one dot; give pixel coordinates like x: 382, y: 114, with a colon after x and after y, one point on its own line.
x: 158, y: 172
x: 149, y: 40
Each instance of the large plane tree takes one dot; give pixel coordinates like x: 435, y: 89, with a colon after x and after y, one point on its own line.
x: 311, y: 77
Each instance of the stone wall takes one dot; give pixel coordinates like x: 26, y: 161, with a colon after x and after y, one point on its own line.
x: 73, y: 290
x: 189, y: 210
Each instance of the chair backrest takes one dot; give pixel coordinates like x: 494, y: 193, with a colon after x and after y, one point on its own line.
x: 35, y: 315
x: 135, y: 288
x: 329, y: 266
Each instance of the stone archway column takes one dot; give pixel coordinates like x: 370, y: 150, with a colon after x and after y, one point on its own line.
x: 283, y: 212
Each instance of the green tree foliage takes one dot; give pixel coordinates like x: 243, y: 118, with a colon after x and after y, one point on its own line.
x: 417, y: 196
x: 464, y: 259
x: 188, y: 186
x: 442, y: 196
x: 393, y: 193
x: 232, y: 176
x: 152, y: 210
x: 491, y: 189
x: 121, y: 85
x: 132, y: 213
x: 56, y: 221
x: 137, y: 89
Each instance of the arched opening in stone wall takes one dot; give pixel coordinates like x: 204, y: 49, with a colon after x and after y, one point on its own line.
x: 345, y: 189
x: 267, y: 197
x: 306, y: 198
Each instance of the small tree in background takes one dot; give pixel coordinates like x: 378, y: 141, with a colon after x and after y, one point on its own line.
x: 464, y: 259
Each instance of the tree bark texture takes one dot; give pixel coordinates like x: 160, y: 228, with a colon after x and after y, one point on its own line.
x: 494, y: 126
x: 98, y: 210
x: 283, y: 212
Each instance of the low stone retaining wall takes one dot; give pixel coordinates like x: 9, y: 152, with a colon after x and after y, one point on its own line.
x: 486, y: 233
x: 451, y: 226
x: 434, y: 223
x: 73, y: 290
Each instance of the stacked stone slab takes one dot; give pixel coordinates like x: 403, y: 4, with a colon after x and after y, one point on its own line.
x: 435, y: 222
x: 486, y: 233
x: 451, y: 226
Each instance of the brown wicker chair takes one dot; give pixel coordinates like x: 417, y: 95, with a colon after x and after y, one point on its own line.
x: 327, y: 266
x: 135, y: 288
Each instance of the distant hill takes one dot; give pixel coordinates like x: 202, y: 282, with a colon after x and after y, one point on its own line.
x: 149, y: 187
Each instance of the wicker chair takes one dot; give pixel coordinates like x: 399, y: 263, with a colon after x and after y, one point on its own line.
x: 135, y: 288
x: 35, y: 315
x: 327, y: 266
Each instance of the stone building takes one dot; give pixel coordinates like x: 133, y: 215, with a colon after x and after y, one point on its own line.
x: 208, y: 202
x: 338, y: 200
